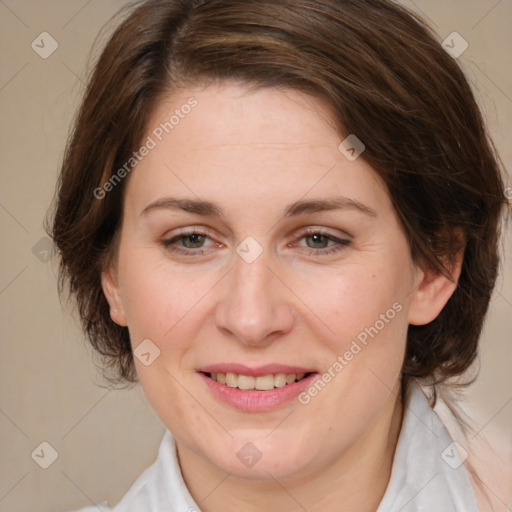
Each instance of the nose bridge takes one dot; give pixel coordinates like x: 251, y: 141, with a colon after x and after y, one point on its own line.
x: 251, y: 281
x: 254, y: 304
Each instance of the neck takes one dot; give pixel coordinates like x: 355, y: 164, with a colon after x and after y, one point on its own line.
x: 357, y: 479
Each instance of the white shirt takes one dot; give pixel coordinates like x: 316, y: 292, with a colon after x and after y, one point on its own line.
x: 427, y: 473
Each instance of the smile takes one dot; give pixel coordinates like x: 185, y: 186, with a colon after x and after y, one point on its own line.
x: 256, y: 389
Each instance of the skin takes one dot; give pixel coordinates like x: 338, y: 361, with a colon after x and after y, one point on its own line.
x: 253, y: 154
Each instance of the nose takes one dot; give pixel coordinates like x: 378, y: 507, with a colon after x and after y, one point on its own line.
x: 254, y: 308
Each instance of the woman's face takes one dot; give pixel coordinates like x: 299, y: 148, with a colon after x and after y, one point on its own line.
x: 253, y: 250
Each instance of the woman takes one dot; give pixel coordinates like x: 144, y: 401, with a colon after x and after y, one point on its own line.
x: 281, y: 218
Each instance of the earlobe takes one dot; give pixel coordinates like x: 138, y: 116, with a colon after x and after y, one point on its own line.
x: 110, y: 285
x: 433, y: 292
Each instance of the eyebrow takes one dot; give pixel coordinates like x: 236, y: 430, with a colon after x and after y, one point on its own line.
x: 187, y: 205
x: 207, y: 208
x: 335, y: 203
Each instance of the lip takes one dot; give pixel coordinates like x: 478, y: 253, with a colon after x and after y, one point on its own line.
x: 254, y: 400
x: 240, y: 369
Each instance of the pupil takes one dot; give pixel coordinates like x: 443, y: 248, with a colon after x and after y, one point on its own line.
x: 196, y: 240
x: 319, y: 239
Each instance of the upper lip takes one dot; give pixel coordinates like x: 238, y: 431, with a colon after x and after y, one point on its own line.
x: 267, y: 369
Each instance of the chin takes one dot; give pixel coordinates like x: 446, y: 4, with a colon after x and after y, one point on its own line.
x: 260, y: 455
x: 268, y: 468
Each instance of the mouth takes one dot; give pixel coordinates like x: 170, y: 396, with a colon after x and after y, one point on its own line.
x: 256, y: 389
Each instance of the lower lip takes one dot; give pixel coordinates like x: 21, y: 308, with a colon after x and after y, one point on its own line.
x: 254, y: 400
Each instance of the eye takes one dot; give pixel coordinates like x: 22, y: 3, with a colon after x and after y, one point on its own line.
x: 190, y: 243
x: 193, y: 241
x: 321, y: 243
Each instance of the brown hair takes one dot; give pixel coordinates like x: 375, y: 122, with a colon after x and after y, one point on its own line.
x: 386, y: 79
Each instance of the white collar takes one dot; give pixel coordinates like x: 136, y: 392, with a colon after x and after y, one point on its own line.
x: 427, y: 474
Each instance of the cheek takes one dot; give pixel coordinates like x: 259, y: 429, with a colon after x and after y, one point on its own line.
x: 159, y: 300
x: 363, y: 312
x: 346, y: 301
x: 161, y: 304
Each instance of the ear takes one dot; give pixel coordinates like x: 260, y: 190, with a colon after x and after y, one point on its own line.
x: 110, y: 285
x: 433, y: 291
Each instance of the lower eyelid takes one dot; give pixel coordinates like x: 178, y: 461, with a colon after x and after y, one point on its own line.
x: 338, y: 246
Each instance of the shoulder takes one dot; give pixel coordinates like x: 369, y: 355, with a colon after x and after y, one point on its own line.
x: 427, y: 471
x: 486, y: 451
x: 490, y: 469
x: 160, y: 487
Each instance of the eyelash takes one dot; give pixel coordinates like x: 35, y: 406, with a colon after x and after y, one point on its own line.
x: 340, y: 243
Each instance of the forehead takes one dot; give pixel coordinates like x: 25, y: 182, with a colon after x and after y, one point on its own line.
x: 224, y: 141
x: 260, y: 112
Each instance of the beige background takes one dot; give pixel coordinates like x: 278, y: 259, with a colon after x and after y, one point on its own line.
x: 49, y: 389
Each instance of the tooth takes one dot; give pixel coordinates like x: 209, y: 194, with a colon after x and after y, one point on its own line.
x: 231, y: 380
x: 279, y: 380
x: 290, y: 378
x: 264, y: 382
x: 245, y: 382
